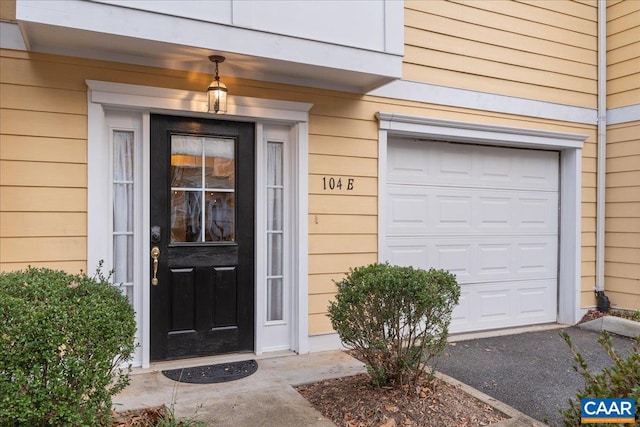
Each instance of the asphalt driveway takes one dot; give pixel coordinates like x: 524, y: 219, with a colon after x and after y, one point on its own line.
x: 532, y: 372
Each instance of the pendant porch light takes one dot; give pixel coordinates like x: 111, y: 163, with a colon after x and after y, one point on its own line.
x: 217, y: 92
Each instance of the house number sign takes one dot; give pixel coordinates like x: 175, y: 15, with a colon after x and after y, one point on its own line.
x: 337, y: 183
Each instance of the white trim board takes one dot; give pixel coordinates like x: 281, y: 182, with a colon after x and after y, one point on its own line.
x: 141, y: 101
x: 457, y: 131
x: 630, y: 113
x: 484, y: 101
x: 568, y: 144
x: 159, y: 99
x: 325, y: 342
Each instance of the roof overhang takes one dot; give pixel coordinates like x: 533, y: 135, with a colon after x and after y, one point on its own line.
x: 109, y: 32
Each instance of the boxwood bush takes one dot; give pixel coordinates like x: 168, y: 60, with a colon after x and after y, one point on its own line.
x: 396, y: 318
x: 64, y: 344
x: 621, y: 379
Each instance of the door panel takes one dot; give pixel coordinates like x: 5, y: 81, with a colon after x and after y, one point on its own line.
x: 202, y: 198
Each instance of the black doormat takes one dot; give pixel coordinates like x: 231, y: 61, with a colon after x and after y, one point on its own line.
x: 210, y: 374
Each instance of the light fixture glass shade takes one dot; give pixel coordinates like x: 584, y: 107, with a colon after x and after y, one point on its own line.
x: 217, y: 94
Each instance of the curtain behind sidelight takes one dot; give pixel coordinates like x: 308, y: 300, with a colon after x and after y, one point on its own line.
x: 123, y: 209
x: 275, y: 233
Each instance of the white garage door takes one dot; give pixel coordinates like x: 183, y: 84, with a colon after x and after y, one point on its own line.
x: 487, y: 214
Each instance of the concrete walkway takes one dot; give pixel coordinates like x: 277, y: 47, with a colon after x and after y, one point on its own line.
x: 266, y: 398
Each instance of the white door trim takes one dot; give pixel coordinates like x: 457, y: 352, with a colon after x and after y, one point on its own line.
x: 568, y: 144
x: 146, y: 100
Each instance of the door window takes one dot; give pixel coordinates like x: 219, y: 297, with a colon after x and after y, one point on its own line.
x: 202, y: 189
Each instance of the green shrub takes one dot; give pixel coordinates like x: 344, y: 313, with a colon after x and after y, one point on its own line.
x: 620, y: 380
x: 63, y: 346
x: 396, y: 318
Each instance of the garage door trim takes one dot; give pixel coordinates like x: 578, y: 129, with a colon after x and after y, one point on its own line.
x: 568, y: 144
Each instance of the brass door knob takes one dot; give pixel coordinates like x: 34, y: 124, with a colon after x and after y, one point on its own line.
x: 155, y: 254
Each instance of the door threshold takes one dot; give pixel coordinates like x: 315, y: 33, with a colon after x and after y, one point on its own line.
x: 208, y: 360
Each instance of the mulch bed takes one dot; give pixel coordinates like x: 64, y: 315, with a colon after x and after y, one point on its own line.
x: 353, y: 402
x: 140, y: 418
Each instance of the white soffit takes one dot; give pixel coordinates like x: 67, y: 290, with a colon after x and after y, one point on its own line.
x: 79, y: 28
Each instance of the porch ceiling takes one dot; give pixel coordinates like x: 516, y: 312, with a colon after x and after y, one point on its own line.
x: 53, y: 39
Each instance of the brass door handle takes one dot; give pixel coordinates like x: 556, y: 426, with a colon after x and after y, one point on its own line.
x: 155, y: 254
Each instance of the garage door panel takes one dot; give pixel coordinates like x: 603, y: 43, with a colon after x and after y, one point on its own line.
x: 406, y: 164
x: 455, y: 257
x: 539, y: 213
x: 536, y: 300
x: 539, y: 258
x: 453, y: 210
x: 540, y: 170
x: 495, y: 211
x: 430, y: 210
x: 471, y: 259
x: 495, y: 260
x: 461, y: 313
x: 417, y: 162
x: 453, y: 164
x: 500, y: 305
x: 494, y: 304
x: 408, y: 212
x: 489, y: 215
x: 414, y: 254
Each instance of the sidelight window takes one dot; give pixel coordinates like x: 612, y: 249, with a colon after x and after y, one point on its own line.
x: 275, y: 231
x: 123, y: 195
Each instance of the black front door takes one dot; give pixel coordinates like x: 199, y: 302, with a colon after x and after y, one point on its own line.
x: 202, y: 224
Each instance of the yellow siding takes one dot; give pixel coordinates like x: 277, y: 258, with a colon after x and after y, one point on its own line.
x: 623, y: 54
x: 343, y: 243
x: 579, y: 10
x: 342, y: 165
x: 43, y: 175
x: 34, y: 199
x: 319, y: 324
x: 343, y: 205
x: 622, y: 238
x: 7, y: 10
x: 337, y: 224
x: 71, y: 266
x: 29, y: 98
x: 42, y: 224
x: 588, y: 238
x: 42, y: 124
x: 39, y: 149
x: 340, y: 263
x: 42, y: 249
x: 43, y: 152
x: 324, y: 283
x: 545, y: 50
x: 334, y: 145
